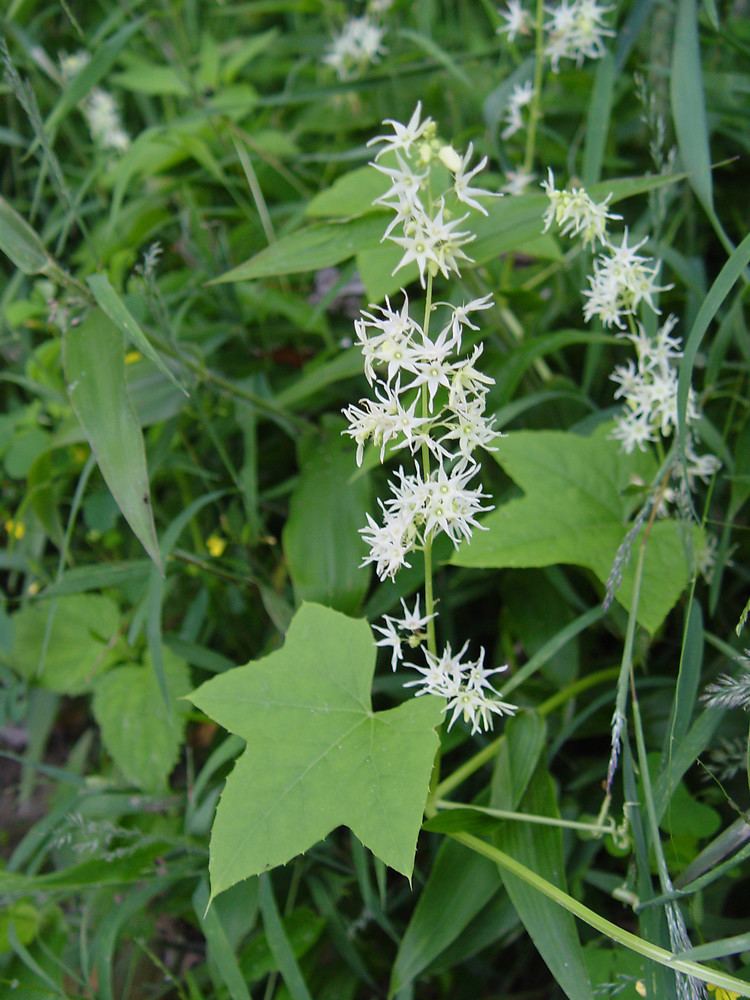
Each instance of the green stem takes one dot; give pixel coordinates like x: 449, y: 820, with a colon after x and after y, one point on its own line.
x: 568, y: 824
x: 429, y: 596
x: 536, y: 100
x: 599, y: 923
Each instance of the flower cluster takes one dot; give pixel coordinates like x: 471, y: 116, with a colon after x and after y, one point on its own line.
x: 429, y: 400
x: 407, y: 367
x: 424, y: 221
x: 574, y: 29
x: 465, y: 686
x: 648, y: 387
x: 575, y: 213
x: 622, y: 279
x: 99, y: 108
x: 358, y: 45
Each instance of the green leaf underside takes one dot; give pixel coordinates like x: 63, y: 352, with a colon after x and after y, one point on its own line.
x: 318, y: 757
x: 95, y: 373
x: 574, y: 511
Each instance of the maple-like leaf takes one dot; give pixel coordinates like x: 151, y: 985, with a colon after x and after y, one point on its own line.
x: 318, y: 756
x: 576, y: 509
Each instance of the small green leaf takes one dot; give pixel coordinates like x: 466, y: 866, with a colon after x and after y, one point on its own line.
x: 142, y: 734
x: 575, y: 511
x: 95, y: 373
x: 320, y: 539
x: 318, y: 757
x: 64, y: 645
x: 110, y: 303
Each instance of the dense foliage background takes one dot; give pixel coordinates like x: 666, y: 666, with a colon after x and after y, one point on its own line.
x: 145, y: 554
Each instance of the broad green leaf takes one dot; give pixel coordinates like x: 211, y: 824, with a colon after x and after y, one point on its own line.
x: 19, y: 242
x: 95, y: 373
x: 551, y: 928
x: 318, y: 757
x: 613, y: 967
x: 575, y: 511
x: 309, y: 250
x: 142, y: 734
x: 350, y: 195
x: 517, y: 758
x: 320, y: 538
x: 65, y: 644
x: 110, y: 303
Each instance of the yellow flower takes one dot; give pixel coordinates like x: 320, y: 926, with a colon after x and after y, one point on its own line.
x: 132, y: 356
x: 721, y: 994
x: 15, y: 529
x: 216, y: 545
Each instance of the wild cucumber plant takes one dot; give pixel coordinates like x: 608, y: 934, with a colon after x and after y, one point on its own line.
x: 532, y: 511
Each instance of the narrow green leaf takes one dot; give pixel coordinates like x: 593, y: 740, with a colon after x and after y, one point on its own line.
x: 95, y: 374
x: 688, y: 103
x: 279, y: 943
x: 110, y: 303
x: 597, y: 121
x: 719, y: 290
x: 552, y: 930
x: 461, y: 882
x: 718, y: 949
x: 221, y: 953
x: 19, y: 242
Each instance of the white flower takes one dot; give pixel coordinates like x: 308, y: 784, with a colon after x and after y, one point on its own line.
x: 517, y: 21
x: 390, y: 638
x: 463, y: 191
x: 471, y: 430
x: 516, y: 181
x: 404, y: 136
x: 412, y: 621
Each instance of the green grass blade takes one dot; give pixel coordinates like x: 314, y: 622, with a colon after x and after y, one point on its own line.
x: 278, y: 942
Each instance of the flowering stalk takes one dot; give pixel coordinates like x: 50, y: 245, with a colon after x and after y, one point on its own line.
x: 415, y: 371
